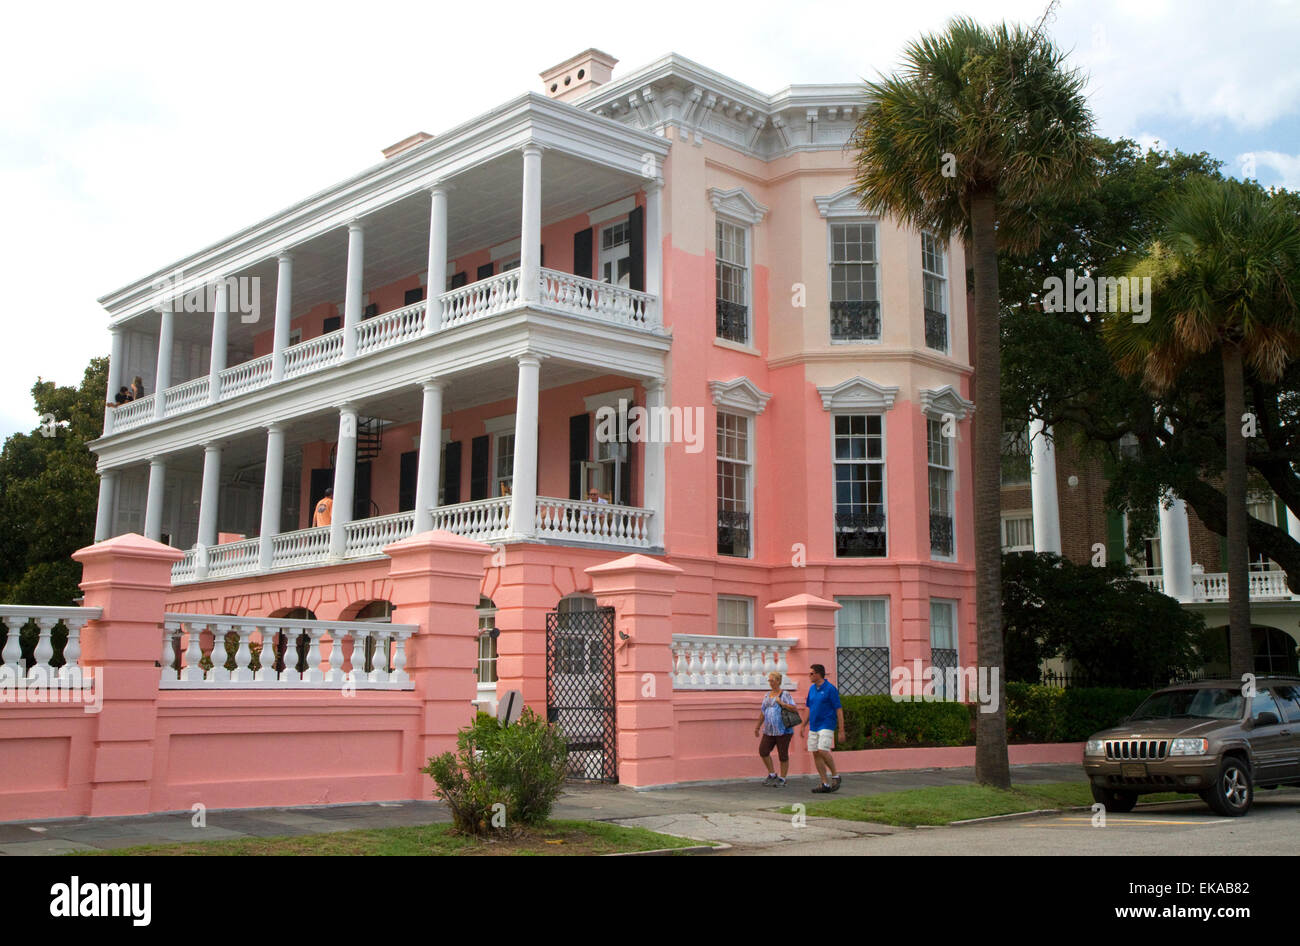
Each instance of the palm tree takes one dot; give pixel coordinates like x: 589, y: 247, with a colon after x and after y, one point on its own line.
x: 976, y: 125
x: 1225, y: 275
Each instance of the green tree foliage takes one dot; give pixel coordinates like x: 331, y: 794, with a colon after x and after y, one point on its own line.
x: 1115, y: 630
x: 49, y: 491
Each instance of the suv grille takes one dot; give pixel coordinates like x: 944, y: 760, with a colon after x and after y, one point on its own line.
x: 1137, y: 748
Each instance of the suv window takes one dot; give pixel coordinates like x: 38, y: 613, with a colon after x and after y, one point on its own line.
x: 1209, y: 703
x: 1288, y: 697
x: 1263, y: 702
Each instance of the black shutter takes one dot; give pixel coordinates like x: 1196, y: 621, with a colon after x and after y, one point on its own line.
x: 582, y: 253
x: 484, y: 271
x: 406, y: 481
x: 636, y: 249
x: 332, y: 324
x: 361, y: 496
x: 579, y: 452
x: 413, y: 296
x: 478, y: 467
x: 451, y: 475
x: 460, y: 279
x: 541, y: 255
x: 370, y: 311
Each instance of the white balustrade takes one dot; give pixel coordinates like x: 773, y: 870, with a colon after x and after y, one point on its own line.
x: 133, y: 414
x: 185, y: 397
x: 232, y: 558
x: 719, y: 662
x: 1154, y: 581
x: 300, y: 547
x: 313, y: 354
x: 576, y: 295
x: 183, y: 656
x: 479, y: 299
x: 366, y: 537
x: 245, y: 377
x: 1270, y: 583
x: 584, y: 521
x: 391, y: 328
x: 482, y: 519
x: 13, y: 618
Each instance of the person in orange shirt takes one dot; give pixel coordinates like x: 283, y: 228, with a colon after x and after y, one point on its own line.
x: 324, y: 510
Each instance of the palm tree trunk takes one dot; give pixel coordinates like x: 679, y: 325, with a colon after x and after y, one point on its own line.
x: 1240, y: 657
x: 992, y: 766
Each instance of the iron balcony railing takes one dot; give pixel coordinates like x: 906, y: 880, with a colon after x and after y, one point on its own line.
x: 936, y: 330
x: 732, y: 321
x: 860, y: 533
x: 857, y: 321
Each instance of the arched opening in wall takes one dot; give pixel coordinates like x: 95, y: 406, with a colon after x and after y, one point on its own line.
x: 486, y: 669
x: 377, y: 611
x: 301, y: 644
x: 576, y: 603
x: 1272, y: 651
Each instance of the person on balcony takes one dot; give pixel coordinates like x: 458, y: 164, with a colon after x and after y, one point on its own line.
x: 777, y: 720
x: 123, y: 396
x: 137, y: 388
x: 593, y: 496
x: 324, y: 510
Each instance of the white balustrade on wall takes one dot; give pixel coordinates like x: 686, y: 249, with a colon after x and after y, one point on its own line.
x: 313, y: 354
x: 133, y: 414
x: 1270, y: 583
x: 185, y: 397
x: 1154, y: 581
x: 12, y: 666
x: 583, y: 521
x: 245, y: 377
x: 598, y: 300
x: 482, y: 519
x: 391, y: 328
x: 300, y: 547
x: 720, y: 662
x: 332, y: 654
x: 230, y: 558
x: 366, y: 537
x: 480, y: 299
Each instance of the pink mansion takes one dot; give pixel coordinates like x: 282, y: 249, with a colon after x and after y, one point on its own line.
x: 451, y: 341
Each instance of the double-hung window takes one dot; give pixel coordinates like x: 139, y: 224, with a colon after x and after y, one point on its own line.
x: 941, y: 480
x: 943, y: 646
x: 504, y: 471
x: 859, y: 458
x: 734, y: 462
x: 862, y: 645
x: 1018, y: 532
x: 934, y: 273
x: 732, y: 307
x: 735, y: 616
x: 855, y: 280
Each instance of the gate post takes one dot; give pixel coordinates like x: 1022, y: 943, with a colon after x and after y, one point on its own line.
x: 640, y: 590
x: 812, y: 620
x: 436, y: 578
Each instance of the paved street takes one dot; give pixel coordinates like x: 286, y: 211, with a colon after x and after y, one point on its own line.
x: 742, y: 814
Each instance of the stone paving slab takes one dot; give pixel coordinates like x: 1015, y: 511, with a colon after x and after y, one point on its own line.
x: 755, y: 828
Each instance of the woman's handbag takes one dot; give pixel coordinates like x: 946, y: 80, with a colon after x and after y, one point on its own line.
x: 789, y: 718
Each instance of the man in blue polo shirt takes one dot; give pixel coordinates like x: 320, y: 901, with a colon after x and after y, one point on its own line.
x: 825, y: 720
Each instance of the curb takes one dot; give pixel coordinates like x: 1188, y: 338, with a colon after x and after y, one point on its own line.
x: 664, y: 851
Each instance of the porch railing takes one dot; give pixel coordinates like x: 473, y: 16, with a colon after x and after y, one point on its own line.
x: 1262, y: 584
x: 313, y: 354
x: 391, y: 328
x: 718, y: 662
x: 593, y: 522
x: 481, y: 520
x: 186, y: 397
x: 275, y: 653
x: 587, y: 297
x: 13, y: 618
x: 366, y: 537
x: 245, y: 377
x: 480, y: 299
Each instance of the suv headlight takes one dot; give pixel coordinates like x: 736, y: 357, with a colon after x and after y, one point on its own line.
x: 1095, y: 747
x: 1189, y: 747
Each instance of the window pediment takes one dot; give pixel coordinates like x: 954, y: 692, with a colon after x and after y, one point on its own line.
x: 737, y: 204
x: 843, y: 203
x: 739, y: 394
x: 858, y: 394
x: 945, y: 400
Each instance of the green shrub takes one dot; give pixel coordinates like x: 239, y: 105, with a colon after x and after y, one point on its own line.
x: 1047, y: 714
x: 521, y: 767
x: 877, y: 722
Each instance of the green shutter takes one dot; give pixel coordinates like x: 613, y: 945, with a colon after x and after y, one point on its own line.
x: 1115, y: 538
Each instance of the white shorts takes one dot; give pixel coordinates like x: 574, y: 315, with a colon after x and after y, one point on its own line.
x: 821, y: 739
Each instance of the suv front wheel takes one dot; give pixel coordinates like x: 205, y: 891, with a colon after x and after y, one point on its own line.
x: 1233, y: 791
x: 1114, y: 800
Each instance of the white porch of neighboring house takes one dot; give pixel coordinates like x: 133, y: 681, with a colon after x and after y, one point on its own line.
x: 493, y: 184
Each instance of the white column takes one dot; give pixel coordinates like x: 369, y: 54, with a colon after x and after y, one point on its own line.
x: 283, y: 313
x: 208, y: 499
x: 1175, y: 550
x: 654, y: 244
x: 655, y: 461
x: 114, y: 374
x: 1042, y: 488
x: 352, y: 292
x: 220, y: 327
x: 530, y: 237
x: 345, y: 471
x: 272, y: 484
x: 163, y: 374
x: 437, y: 258
x: 153, y: 508
x: 430, y: 460
x: 523, y: 492
x: 104, y: 511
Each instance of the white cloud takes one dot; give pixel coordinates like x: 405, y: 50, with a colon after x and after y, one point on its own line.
x: 1287, y: 165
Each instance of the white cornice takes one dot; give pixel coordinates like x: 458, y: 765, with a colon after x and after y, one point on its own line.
x: 610, y: 399
x: 843, y: 203
x: 739, y: 394
x: 945, y: 400
x: 737, y: 203
x: 858, y: 394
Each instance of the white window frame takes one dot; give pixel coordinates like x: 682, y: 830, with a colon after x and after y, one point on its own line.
x: 951, y: 470
x: 884, y: 475
x: 874, y: 263
x: 601, y: 251
x: 954, y: 627
x: 295, y: 337
x: 945, y: 296
x: 748, y: 602
x: 1017, y: 515
x: 845, y: 599
x: 748, y: 464
x: 497, y: 478
x: 487, y: 614
x: 747, y: 231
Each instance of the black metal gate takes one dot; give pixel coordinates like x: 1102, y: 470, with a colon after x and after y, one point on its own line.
x: 580, y: 689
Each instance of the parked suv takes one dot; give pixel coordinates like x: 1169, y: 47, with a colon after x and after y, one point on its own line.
x: 1205, y: 737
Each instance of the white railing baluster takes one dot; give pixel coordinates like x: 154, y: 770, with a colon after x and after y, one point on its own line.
x: 71, y: 668
x: 719, y: 662
x: 40, y: 668
x: 192, y: 671
x: 379, y: 662
x: 170, y: 633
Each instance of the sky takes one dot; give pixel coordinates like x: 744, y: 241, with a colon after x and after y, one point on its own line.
x: 132, y: 134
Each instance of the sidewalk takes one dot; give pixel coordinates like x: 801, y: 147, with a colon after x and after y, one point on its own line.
x: 738, y: 812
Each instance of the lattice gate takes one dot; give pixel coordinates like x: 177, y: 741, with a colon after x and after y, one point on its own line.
x: 862, y: 669
x: 580, y: 689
